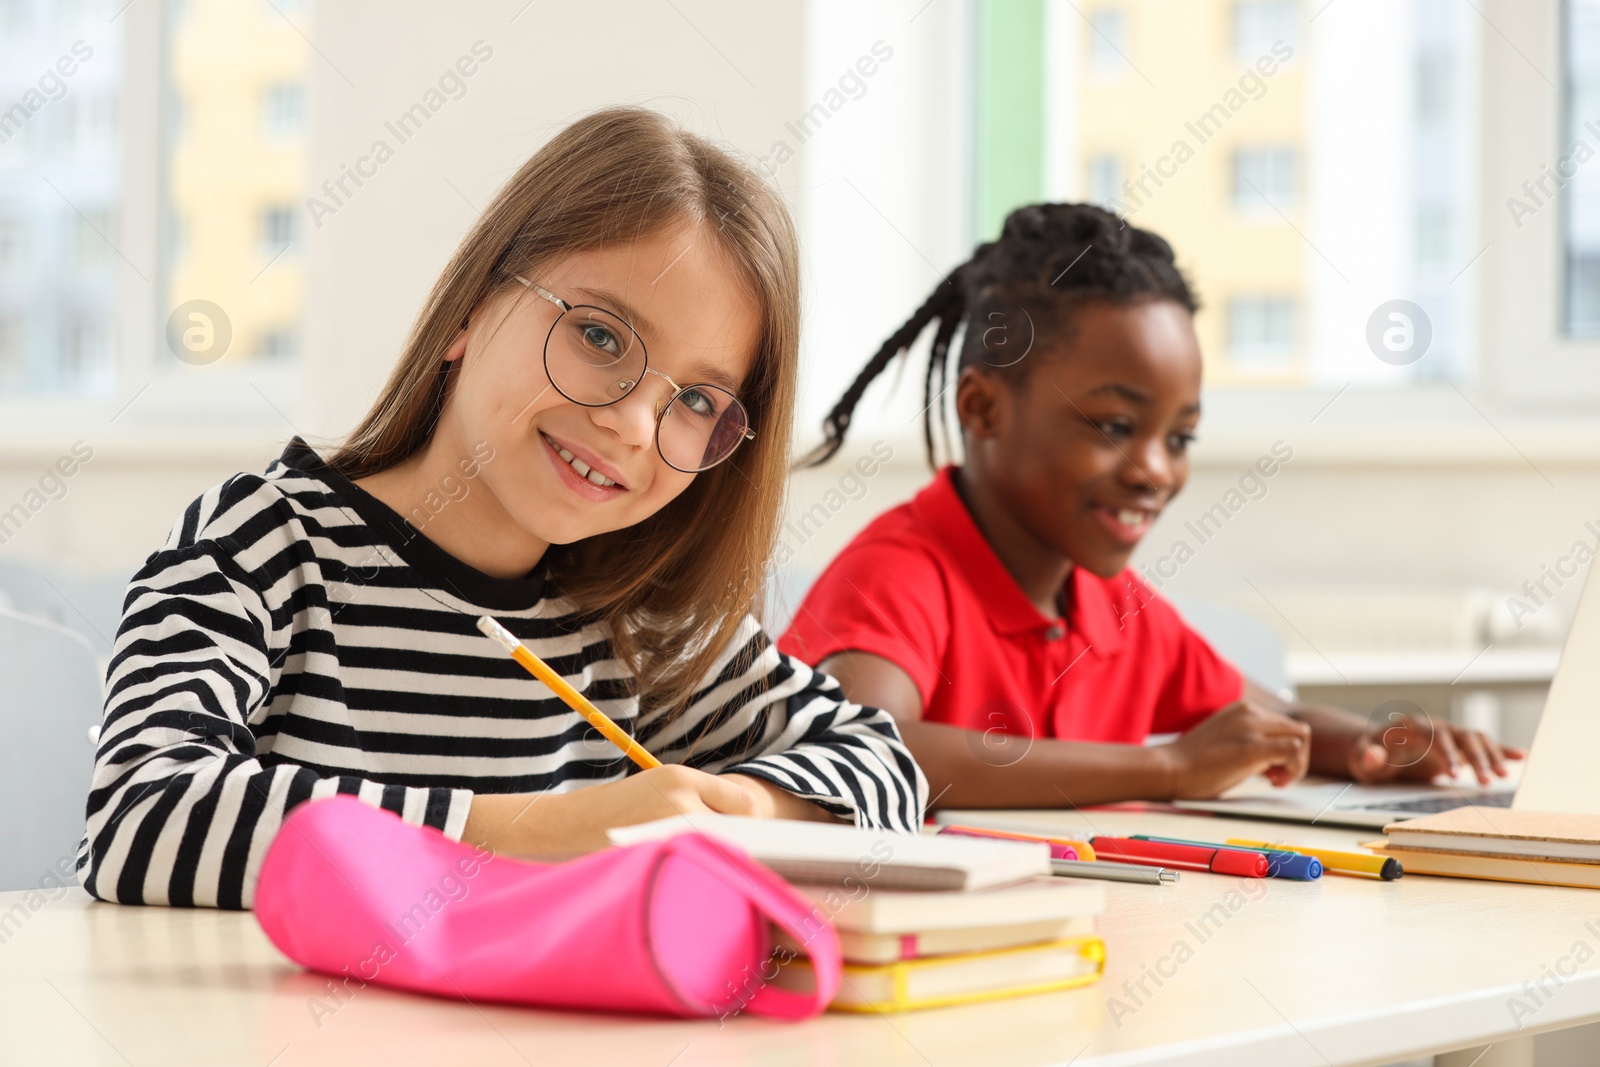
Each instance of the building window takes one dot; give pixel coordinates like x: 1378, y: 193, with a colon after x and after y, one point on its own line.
x: 60, y: 181
x: 1105, y: 181
x: 1436, y: 231
x: 1581, y: 217
x: 13, y: 245
x: 84, y: 352
x: 1259, y: 24
x: 277, y: 229
x: 13, y: 20
x: 283, y: 110
x: 1108, y: 40
x: 1261, y: 331
x: 13, y: 353
x: 91, y: 239
x: 1268, y: 173
x: 277, y: 344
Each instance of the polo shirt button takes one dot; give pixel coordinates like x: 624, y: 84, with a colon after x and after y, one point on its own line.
x: 1054, y: 633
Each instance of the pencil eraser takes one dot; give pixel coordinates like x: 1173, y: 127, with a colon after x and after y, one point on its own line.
x: 501, y: 635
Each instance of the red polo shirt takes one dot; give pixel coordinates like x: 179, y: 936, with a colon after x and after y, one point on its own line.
x: 921, y: 587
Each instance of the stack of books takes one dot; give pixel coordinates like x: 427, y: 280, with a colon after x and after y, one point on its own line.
x: 924, y: 920
x: 905, y: 949
x: 1508, y: 845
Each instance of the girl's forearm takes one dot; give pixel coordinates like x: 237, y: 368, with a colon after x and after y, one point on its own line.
x: 775, y: 802
x: 522, y: 823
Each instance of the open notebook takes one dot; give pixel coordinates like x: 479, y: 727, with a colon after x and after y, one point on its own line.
x: 830, y: 853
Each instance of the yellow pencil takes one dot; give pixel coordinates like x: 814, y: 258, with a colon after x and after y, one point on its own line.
x: 1334, y: 860
x: 574, y: 699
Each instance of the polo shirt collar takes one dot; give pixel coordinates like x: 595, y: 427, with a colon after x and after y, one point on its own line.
x: 940, y: 510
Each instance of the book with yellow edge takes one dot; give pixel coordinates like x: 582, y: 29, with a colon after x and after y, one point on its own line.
x: 1492, y: 868
x: 873, y: 909
x: 1499, y: 844
x: 861, y: 946
x: 967, y: 978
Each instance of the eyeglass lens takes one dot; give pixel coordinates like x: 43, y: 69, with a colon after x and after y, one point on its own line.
x: 595, y: 358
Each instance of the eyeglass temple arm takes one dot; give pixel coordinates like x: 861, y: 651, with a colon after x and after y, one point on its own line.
x: 542, y: 291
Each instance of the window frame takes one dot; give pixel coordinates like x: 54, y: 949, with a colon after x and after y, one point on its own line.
x: 1527, y: 359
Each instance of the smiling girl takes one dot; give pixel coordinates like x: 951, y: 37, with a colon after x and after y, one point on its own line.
x: 609, y: 360
x: 994, y: 615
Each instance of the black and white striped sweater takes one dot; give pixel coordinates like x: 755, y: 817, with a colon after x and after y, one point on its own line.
x: 295, y: 638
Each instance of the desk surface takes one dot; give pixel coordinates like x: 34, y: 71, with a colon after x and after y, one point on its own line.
x: 1342, y: 971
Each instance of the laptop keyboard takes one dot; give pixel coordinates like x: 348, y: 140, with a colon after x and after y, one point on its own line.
x: 1448, y: 802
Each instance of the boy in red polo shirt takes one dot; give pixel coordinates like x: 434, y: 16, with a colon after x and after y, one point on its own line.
x: 994, y: 615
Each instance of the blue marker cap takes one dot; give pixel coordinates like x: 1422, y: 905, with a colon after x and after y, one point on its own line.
x: 1293, y: 865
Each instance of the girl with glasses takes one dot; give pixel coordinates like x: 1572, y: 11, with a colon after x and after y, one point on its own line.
x: 586, y: 436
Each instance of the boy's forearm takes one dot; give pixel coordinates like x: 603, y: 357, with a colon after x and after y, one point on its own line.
x: 1334, y: 733
x: 973, y: 769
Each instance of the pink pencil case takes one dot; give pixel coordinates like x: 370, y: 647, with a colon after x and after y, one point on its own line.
x: 678, y: 926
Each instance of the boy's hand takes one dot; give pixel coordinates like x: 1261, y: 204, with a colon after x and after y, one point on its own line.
x: 1242, y: 739
x: 1416, y: 748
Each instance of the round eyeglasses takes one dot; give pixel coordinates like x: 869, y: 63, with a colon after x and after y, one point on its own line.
x: 595, y: 358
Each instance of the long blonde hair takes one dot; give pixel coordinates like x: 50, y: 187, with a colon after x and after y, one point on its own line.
x: 674, y: 587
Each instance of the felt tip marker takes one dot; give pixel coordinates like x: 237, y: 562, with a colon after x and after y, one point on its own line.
x: 1281, y: 863
x: 1217, y: 860
x: 1357, y: 863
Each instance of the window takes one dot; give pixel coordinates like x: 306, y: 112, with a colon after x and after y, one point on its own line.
x: 1282, y: 158
x: 283, y: 110
x: 236, y: 146
x: 13, y: 245
x: 1108, y: 41
x: 60, y: 182
x: 1264, y: 179
x: 84, y: 351
x: 1581, y: 219
x: 277, y: 344
x: 277, y: 229
x: 1261, y: 332
x: 92, y: 238
x: 1436, y: 232
x: 1436, y: 76
x: 13, y: 20
x: 177, y: 118
x: 1259, y: 24
x: 13, y: 352
x: 1105, y: 181
x: 88, y: 124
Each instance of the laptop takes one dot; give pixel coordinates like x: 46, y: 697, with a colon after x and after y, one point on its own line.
x: 1558, y: 774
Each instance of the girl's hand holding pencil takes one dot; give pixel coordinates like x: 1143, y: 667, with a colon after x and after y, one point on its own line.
x: 549, y: 823
x: 578, y: 821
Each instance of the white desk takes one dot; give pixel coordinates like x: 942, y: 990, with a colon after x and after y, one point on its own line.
x: 1337, y: 972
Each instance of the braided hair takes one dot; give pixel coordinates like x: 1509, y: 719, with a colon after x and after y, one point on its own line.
x: 1048, y: 260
